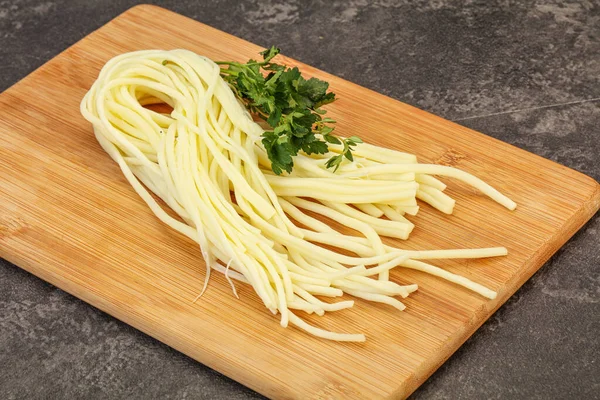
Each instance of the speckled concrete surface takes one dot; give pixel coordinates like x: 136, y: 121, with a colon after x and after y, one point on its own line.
x: 525, y: 72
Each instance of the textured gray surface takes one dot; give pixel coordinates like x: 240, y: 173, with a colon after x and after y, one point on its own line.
x: 524, y: 72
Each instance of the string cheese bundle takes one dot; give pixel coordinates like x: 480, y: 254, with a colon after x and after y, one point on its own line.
x: 206, y: 162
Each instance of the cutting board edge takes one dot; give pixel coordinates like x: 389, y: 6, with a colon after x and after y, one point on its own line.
x: 543, y: 254
x: 18, y: 83
x: 583, y: 215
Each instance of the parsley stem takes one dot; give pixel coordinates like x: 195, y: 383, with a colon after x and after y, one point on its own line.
x: 233, y: 63
x: 228, y: 71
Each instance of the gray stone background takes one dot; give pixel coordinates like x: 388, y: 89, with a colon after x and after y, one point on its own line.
x: 526, y: 72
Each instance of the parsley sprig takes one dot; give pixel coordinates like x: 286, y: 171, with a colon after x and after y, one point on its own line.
x: 291, y: 106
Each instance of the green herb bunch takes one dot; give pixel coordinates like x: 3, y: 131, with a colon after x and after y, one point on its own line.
x: 291, y: 106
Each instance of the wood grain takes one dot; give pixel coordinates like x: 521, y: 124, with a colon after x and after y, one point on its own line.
x: 68, y: 216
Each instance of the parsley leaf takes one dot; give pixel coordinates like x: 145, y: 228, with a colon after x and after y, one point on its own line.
x: 291, y: 106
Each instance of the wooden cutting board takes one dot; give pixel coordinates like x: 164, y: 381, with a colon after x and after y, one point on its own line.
x: 68, y: 216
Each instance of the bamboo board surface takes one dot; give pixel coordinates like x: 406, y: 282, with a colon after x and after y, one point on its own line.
x: 68, y: 216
